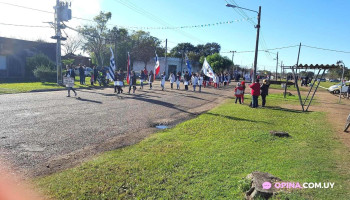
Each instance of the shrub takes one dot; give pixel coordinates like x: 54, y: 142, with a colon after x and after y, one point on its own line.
x: 38, y: 60
x: 45, y: 73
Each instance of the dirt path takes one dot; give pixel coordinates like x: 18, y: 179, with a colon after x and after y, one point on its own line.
x: 336, y: 113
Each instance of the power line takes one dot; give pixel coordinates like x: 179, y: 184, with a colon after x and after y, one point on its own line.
x: 324, y: 49
x: 265, y: 49
x: 21, y: 25
x: 10, y: 4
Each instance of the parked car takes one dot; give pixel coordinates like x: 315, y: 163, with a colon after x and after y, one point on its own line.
x: 321, y: 80
x: 335, y: 89
x: 334, y: 80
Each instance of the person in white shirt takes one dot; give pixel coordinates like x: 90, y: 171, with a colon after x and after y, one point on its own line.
x: 162, y: 80
x: 194, y: 80
x: 172, y: 80
x: 200, y: 82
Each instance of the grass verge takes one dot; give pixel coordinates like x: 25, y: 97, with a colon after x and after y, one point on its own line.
x: 207, y: 157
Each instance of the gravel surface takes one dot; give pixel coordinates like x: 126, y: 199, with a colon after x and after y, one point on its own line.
x: 45, y: 132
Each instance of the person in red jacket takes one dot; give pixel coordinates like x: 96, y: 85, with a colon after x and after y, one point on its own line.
x: 239, y: 93
x: 255, y: 91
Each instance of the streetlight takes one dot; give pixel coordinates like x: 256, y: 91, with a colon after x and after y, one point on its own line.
x: 257, y: 35
x: 276, y: 61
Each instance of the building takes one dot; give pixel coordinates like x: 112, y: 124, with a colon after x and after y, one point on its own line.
x: 78, y: 59
x: 14, y: 52
x: 173, y: 65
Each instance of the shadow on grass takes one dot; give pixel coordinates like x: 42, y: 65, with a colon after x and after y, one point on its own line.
x: 88, y: 100
x: 286, y: 109
x: 236, y: 118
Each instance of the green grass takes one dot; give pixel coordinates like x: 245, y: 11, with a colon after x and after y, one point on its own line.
x: 207, y: 157
x: 289, y: 88
x: 328, y: 84
x: 9, y: 88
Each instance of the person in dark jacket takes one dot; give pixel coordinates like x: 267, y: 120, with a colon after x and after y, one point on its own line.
x: 70, y: 73
x: 150, y: 79
x: 119, y: 81
x: 255, y: 91
x: 187, y: 79
x: 142, y: 78
x: 264, y: 91
x: 82, y: 74
x: 95, y: 74
x: 132, y: 82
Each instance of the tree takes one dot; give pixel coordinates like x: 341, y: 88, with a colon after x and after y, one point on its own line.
x: 72, y: 44
x: 38, y: 60
x: 181, y: 48
x: 95, y: 36
x: 217, y: 62
x: 144, y: 46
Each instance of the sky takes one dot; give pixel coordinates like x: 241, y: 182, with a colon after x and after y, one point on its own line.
x: 313, y: 23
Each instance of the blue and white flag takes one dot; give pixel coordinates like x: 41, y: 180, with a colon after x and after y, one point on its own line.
x: 189, y: 68
x: 112, y: 67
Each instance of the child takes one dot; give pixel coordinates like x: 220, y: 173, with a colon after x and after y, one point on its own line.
x: 200, y: 82
x: 178, y: 79
x: 239, y: 93
x: 150, y: 79
x: 243, y: 85
x: 162, y: 81
x: 194, y: 80
x: 132, y: 82
x: 172, y: 80
x: 92, y: 78
x: 142, y: 78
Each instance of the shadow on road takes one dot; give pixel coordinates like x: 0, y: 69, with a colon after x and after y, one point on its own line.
x: 88, y: 100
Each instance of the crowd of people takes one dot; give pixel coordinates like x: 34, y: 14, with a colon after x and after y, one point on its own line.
x: 196, y: 80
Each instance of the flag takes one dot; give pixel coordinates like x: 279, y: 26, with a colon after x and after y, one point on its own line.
x: 207, y: 70
x: 111, y: 68
x: 156, y: 67
x: 189, y: 68
x: 128, y: 70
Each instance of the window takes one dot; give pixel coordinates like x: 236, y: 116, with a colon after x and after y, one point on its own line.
x: 3, y: 63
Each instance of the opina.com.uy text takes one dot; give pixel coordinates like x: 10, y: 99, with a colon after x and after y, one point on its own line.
x: 297, y: 185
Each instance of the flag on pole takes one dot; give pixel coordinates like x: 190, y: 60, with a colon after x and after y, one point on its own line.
x: 128, y: 70
x: 207, y: 70
x: 111, y: 68
x: 156, y: 67
x: 189, y: 68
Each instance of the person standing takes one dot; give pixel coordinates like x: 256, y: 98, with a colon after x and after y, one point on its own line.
x: 194, y: 80
x: 178, y: 79
x: 82, y: 74
x: 186, y: 80
x: 132, y: 82
x: 119, y: 81
x: 200, y: 82
x: 264, y: 91
x: 70, y: 73
x: 142, y: 78
x: 172, y: 80
x: 162, y: 81
x: 150, y: 79
x: 95, y: 74
x: 92, y: 77
x: 239, y: 93
x: 255, y: 91
x: 243, y: 86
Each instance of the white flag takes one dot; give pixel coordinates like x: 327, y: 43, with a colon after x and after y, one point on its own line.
x: 207, y: 70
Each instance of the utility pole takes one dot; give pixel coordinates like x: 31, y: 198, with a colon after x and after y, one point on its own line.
x: 58, y: 44
x: 166, y: 58
x: 281, y: 71
x: 257, y: 44
x: 276, y: 66
x: 62, y: 13
x: 233, y: 54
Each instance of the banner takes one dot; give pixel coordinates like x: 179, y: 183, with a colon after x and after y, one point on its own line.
x: 207, y: 70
